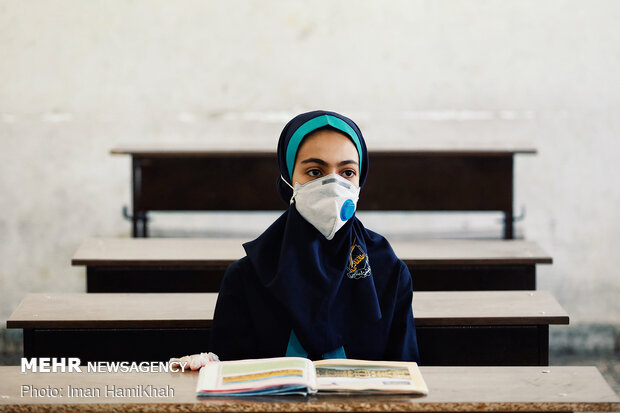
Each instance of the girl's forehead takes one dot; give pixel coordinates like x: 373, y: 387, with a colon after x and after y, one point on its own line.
x: 328, y: 142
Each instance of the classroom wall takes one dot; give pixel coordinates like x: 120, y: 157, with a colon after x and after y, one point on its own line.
x: 78, y: 78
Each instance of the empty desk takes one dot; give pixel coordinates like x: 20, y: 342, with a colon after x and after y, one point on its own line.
x: 471, y: 389
x: 423, y: 178
x: 454, y: 328
x: 197, y: 265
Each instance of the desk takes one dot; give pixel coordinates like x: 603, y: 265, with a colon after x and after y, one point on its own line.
x: 419, y: 179
x: 197, y: 265
x: 471, y: 389
x: 454, y: 328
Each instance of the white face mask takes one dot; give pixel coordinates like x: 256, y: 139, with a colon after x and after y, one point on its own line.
x: 327, y: 203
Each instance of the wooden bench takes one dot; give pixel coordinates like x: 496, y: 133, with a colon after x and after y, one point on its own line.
x: 197, y: 265
x: 454, y: 328
x: 422, y: 178
x: 472, y: 389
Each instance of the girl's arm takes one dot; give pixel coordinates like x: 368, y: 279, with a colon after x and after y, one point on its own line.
x: 403, y: 343
x: 232, y: 333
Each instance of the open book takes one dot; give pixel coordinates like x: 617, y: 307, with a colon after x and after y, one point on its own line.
x: 294, y: 375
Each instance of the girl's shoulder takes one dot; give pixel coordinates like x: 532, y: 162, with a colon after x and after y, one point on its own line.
x: 240, y: 272
x: 388, y: 270
x: 380, y: 247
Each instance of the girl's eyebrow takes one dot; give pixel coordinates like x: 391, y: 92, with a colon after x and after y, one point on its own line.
x: 322, y: 162
x: 315, y: 160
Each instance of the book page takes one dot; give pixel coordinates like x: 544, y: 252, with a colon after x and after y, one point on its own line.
x: 256, y: 376
x: 364, y: 375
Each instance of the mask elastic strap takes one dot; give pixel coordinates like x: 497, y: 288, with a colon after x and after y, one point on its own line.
x: 281, y: 177
x: 292, y: 197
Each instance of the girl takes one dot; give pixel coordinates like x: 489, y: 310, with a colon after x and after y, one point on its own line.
x: 316, y: 283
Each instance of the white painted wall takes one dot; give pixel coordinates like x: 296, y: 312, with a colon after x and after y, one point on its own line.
x: 80, y: 77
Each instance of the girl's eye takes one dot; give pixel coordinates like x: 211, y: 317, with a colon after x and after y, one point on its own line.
x: 349, y: 173
x: 314, y: 172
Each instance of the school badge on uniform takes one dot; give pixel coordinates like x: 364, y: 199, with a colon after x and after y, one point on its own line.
x: 359, y: 266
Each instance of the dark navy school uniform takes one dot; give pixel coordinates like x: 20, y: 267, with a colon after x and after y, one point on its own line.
x: 250, y: 322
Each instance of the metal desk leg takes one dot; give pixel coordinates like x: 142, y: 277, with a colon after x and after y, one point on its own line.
x: 508, y: 213
x: 139, y: 217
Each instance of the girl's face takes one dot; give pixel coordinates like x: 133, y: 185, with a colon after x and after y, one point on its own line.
x: 326, y: 152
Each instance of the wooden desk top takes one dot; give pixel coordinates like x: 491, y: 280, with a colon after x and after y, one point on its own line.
x: 171, y: 310
x: 268, y: 149
x: 470, y: 389
x: 218, y: 252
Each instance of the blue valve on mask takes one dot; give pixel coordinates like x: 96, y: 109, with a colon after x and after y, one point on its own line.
x: 347, y: 210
